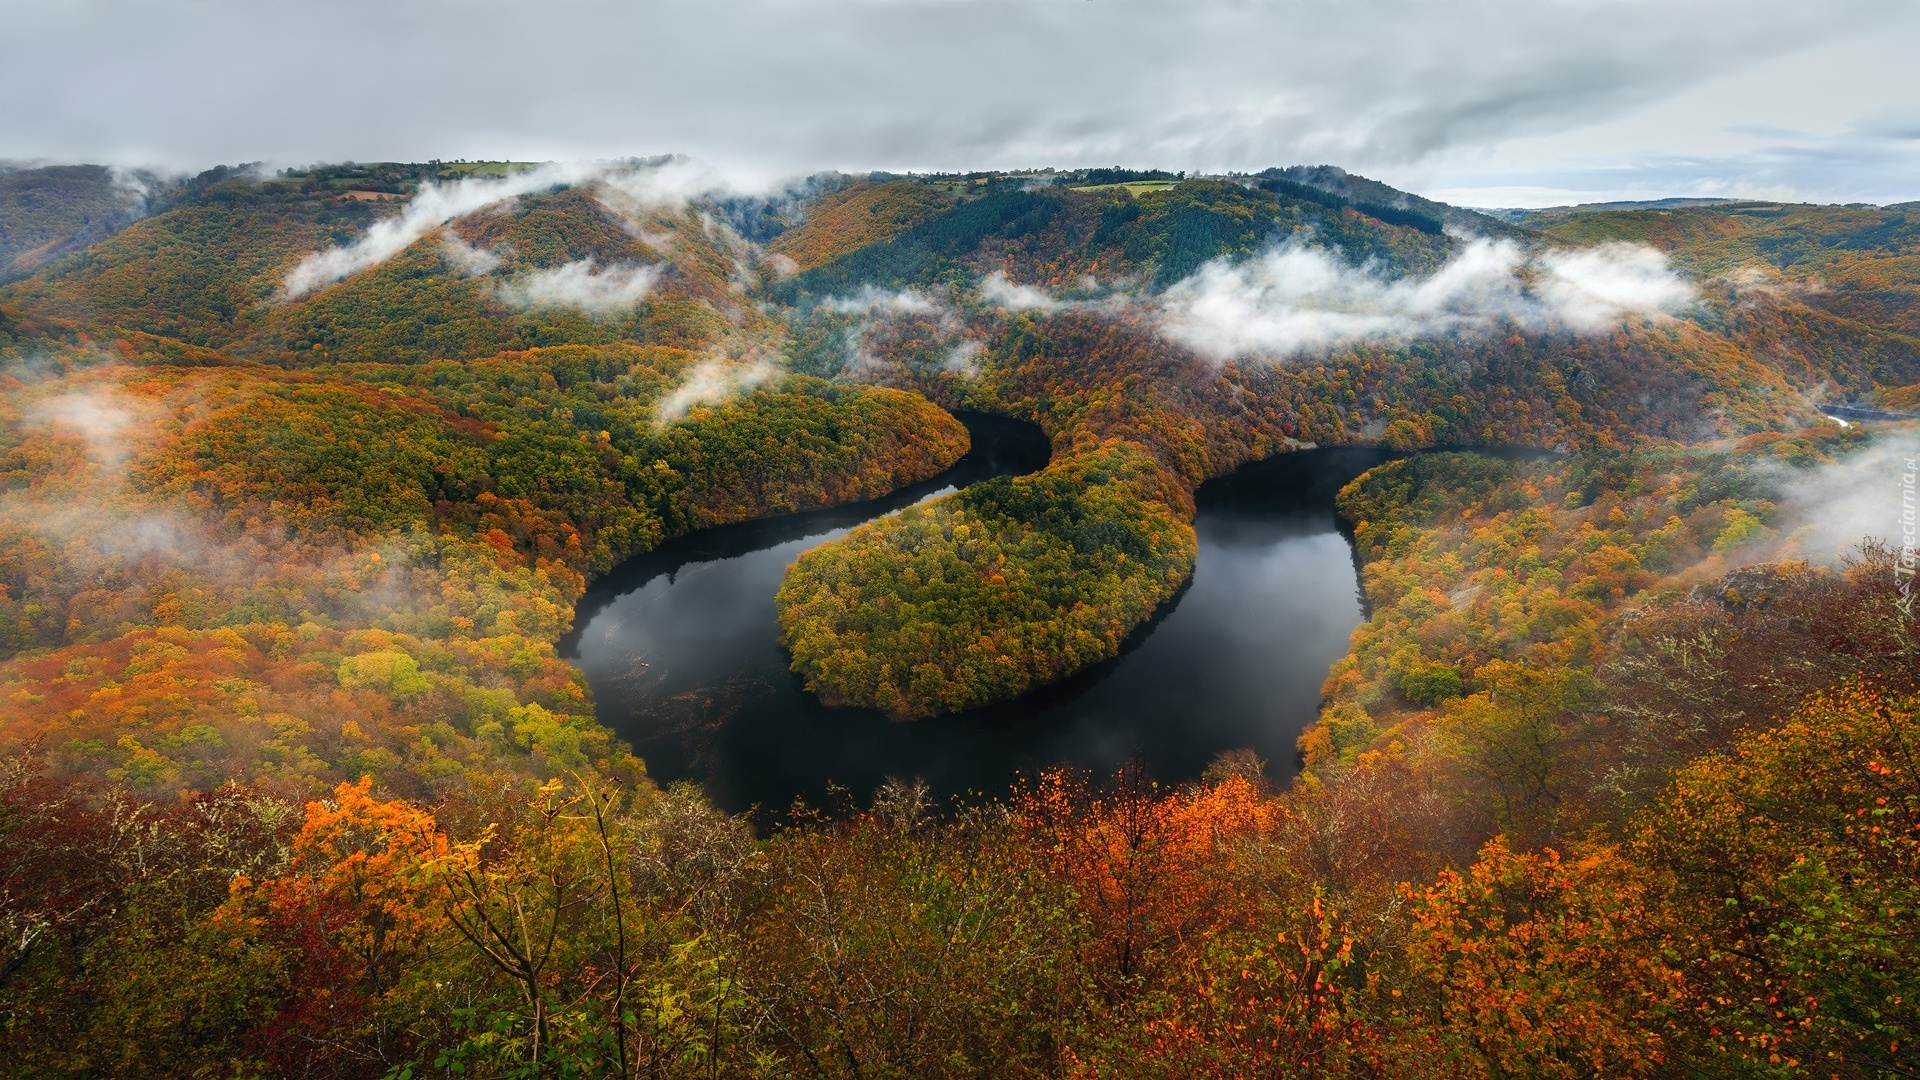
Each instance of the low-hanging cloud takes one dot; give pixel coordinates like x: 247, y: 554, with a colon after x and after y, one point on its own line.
x: 1296, y: 299
x: 466, y: 259
x: 668, y: 182
x: 1828, y: 510
x: 872, y: 301
x: 964, y: 357
x: 1089, y: 295
x: 101, y: 418
x: 628, y: 188
x: 92, y: 521
x: 1591, y: 289
x: 89, y: 528
x: 879, y: 309
x: 997, y: 290
x: 432, y: 207
x: 583, y: 285
x: 712, y: 381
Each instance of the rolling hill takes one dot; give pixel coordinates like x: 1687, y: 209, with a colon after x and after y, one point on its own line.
x: 302, y: 475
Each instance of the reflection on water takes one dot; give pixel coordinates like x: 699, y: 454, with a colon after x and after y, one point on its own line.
x: 681, y: 650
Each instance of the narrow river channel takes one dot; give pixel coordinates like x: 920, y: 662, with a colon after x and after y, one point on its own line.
x: 681, y: 649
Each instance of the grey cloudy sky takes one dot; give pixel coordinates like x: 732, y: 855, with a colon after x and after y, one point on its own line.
x: 1483, y: 102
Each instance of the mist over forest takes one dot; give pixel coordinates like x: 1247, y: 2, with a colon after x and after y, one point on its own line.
x: 308, y: 474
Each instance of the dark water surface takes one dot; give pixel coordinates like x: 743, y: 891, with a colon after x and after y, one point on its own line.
x: 681, y: 649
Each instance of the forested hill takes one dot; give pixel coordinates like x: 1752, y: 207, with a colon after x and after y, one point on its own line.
x: 46, y: 212
x: 302, y: 473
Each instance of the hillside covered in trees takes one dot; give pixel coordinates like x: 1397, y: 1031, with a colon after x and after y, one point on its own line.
x: 302, y: 474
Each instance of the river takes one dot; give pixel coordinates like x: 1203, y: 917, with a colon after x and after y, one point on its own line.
x: 681, y: 649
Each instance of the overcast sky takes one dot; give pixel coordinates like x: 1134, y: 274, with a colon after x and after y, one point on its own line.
x: 1481, y: 102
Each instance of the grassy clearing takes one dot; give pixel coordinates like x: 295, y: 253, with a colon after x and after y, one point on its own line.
x: 1134, y: 187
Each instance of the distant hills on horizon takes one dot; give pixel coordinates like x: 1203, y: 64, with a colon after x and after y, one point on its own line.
x: 47, y: 210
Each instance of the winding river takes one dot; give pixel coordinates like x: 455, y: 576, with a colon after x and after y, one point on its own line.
x: 681, y: 649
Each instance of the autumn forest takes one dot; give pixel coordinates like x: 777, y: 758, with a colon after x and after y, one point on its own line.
x: 304, y: 474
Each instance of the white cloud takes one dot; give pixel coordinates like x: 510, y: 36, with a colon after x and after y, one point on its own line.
x: 628, y: 188
x: 432, y: 207
x: 712, y: 381
x: 98, y: 529
x: 995, y: 289
x: 102, y: 417
x: 133, y: 186
x: 467, y: 260
x: 1830, y: 509
x: 1296, y: 299
x: 672, y: 182
x: 1591, y: 289
x: 872, y: 301
x: 582, y: 285
x: 879, y: 306
x: 964, y: 357
x: 779, y: 267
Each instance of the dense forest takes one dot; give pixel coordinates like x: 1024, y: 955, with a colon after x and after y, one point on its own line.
x: 302, y: 474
